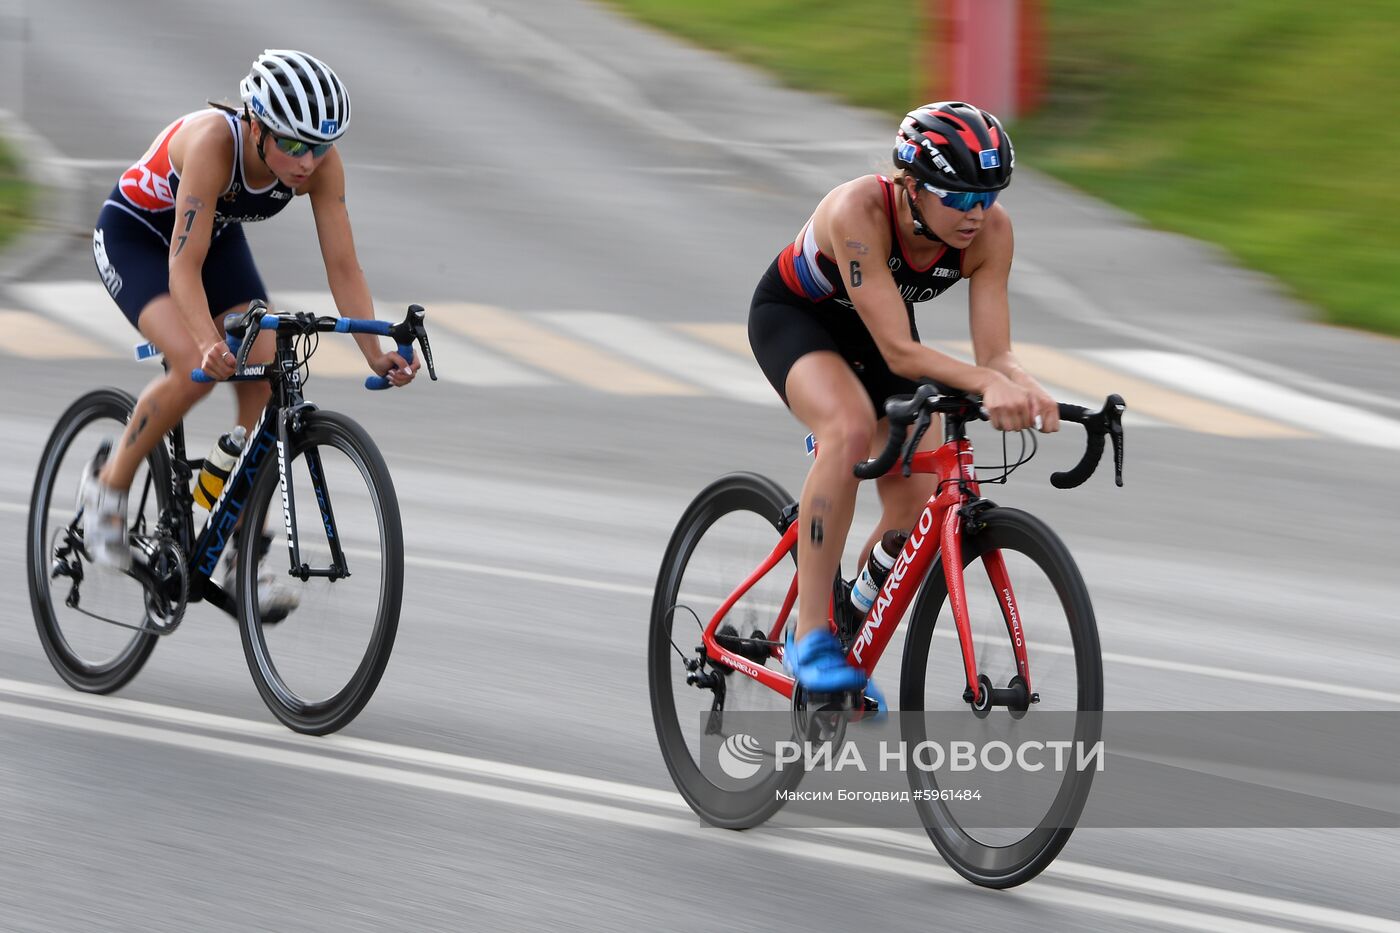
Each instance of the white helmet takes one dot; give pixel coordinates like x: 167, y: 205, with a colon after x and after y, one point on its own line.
x: 297, y: 96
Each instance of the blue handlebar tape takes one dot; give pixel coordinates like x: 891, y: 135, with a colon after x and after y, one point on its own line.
x: 351, y: 325
x: 230, y: 341
x: 375, y: 383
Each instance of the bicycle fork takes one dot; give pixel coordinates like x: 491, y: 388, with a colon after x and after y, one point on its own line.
x: 981, y: 694
x: 291, y: 422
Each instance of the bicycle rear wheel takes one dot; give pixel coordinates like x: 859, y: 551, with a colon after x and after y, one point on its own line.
x: 90, y: 654
x: 1023, y: 817
x: 318, y: 666
x: 728, y: 777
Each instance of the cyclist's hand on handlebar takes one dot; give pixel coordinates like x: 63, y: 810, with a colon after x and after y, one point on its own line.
x: 1047, y: 411
x: 395, y: 368
x: 1009, y: 406
x: 218, y: 360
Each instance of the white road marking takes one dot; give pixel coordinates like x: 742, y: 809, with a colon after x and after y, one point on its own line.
x: 84, y: 306
x: 1038, y: 282
x: 456, y: 359
x: 296, y: 751
x: 544, y: 348
x: 1112, y: 657
x: 39, y: 337
x: 716, y: 357
x: 1296, y: 683
x: 1203, y: 377
x: 655, y: 345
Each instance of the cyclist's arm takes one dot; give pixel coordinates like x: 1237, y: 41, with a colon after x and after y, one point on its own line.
x: 860, y: 241
x: 988, y: 266
x: 207, y: 161
x: 343, y: 273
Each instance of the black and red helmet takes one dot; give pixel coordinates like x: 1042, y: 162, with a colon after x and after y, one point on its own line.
x: 955, y: 146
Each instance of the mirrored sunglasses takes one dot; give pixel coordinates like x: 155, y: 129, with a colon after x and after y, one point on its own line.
x: 297, y: 148
x: 963, y: 200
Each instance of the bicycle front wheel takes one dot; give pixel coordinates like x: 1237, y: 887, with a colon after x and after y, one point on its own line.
x: 317, y: 643
x: 65, y: 591
x: 726, y: 773
x: 1024, y: 814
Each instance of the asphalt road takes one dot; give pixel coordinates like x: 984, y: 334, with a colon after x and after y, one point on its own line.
x: 506, y: 774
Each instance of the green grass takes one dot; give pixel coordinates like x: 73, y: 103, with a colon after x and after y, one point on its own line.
x: 1269, y: 127
x: 862, y: 52
x: 14, y: 196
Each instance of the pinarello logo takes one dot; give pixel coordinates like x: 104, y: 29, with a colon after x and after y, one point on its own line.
x: 740, y: 756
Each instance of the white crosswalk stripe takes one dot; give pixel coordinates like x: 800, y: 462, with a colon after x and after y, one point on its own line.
x: 652, y: 343
x: 1203, y: 377
x: 456, y: 360
x: 487, y: 346
x: 84, y: 306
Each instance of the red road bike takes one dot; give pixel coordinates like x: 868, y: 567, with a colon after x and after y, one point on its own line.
x: 727, y: 590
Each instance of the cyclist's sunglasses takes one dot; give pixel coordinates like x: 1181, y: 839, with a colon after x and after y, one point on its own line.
x: 295, y: 147
x: 963, y: 200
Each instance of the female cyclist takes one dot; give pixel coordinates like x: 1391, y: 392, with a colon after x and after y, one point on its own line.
x: 170, y: 248
x: 832, y: 326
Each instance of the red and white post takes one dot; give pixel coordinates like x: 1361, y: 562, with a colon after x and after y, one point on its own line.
x: 986, y: 52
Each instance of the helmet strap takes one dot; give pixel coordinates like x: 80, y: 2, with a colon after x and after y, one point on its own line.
x: 262, y: 141
x: 920, y: 227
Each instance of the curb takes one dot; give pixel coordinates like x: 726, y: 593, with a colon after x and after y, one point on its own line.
x: 56, y: 202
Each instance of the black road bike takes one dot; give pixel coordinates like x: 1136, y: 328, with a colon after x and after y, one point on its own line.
x: 338, y: 525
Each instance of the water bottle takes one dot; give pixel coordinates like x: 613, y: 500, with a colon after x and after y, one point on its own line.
x: 217, y: 467
x: 882, y: 558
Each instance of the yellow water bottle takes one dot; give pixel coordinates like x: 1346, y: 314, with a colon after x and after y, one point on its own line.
x: 217, y: 467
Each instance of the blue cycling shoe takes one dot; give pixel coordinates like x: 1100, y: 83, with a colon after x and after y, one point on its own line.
x: 819, y: 665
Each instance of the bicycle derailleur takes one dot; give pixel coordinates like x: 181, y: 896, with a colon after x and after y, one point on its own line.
x: 157, y: 563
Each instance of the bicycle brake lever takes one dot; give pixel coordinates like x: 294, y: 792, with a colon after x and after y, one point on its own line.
x: 1113, y: 415
x: 920, y: 426
x: 250, y: 335
x: 416, y: 314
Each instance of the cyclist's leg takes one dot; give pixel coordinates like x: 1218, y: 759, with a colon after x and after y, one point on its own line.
x: 901, y: 499
x: 802, y: 356
x: 166, y: 400
x: 825, y: 395
x: 132, y: 259
x: 103, y: 494
x: 231, y: 281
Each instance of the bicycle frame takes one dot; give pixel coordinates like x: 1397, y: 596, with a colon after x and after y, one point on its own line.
x: 944, y: 512
x: 279, y: 420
